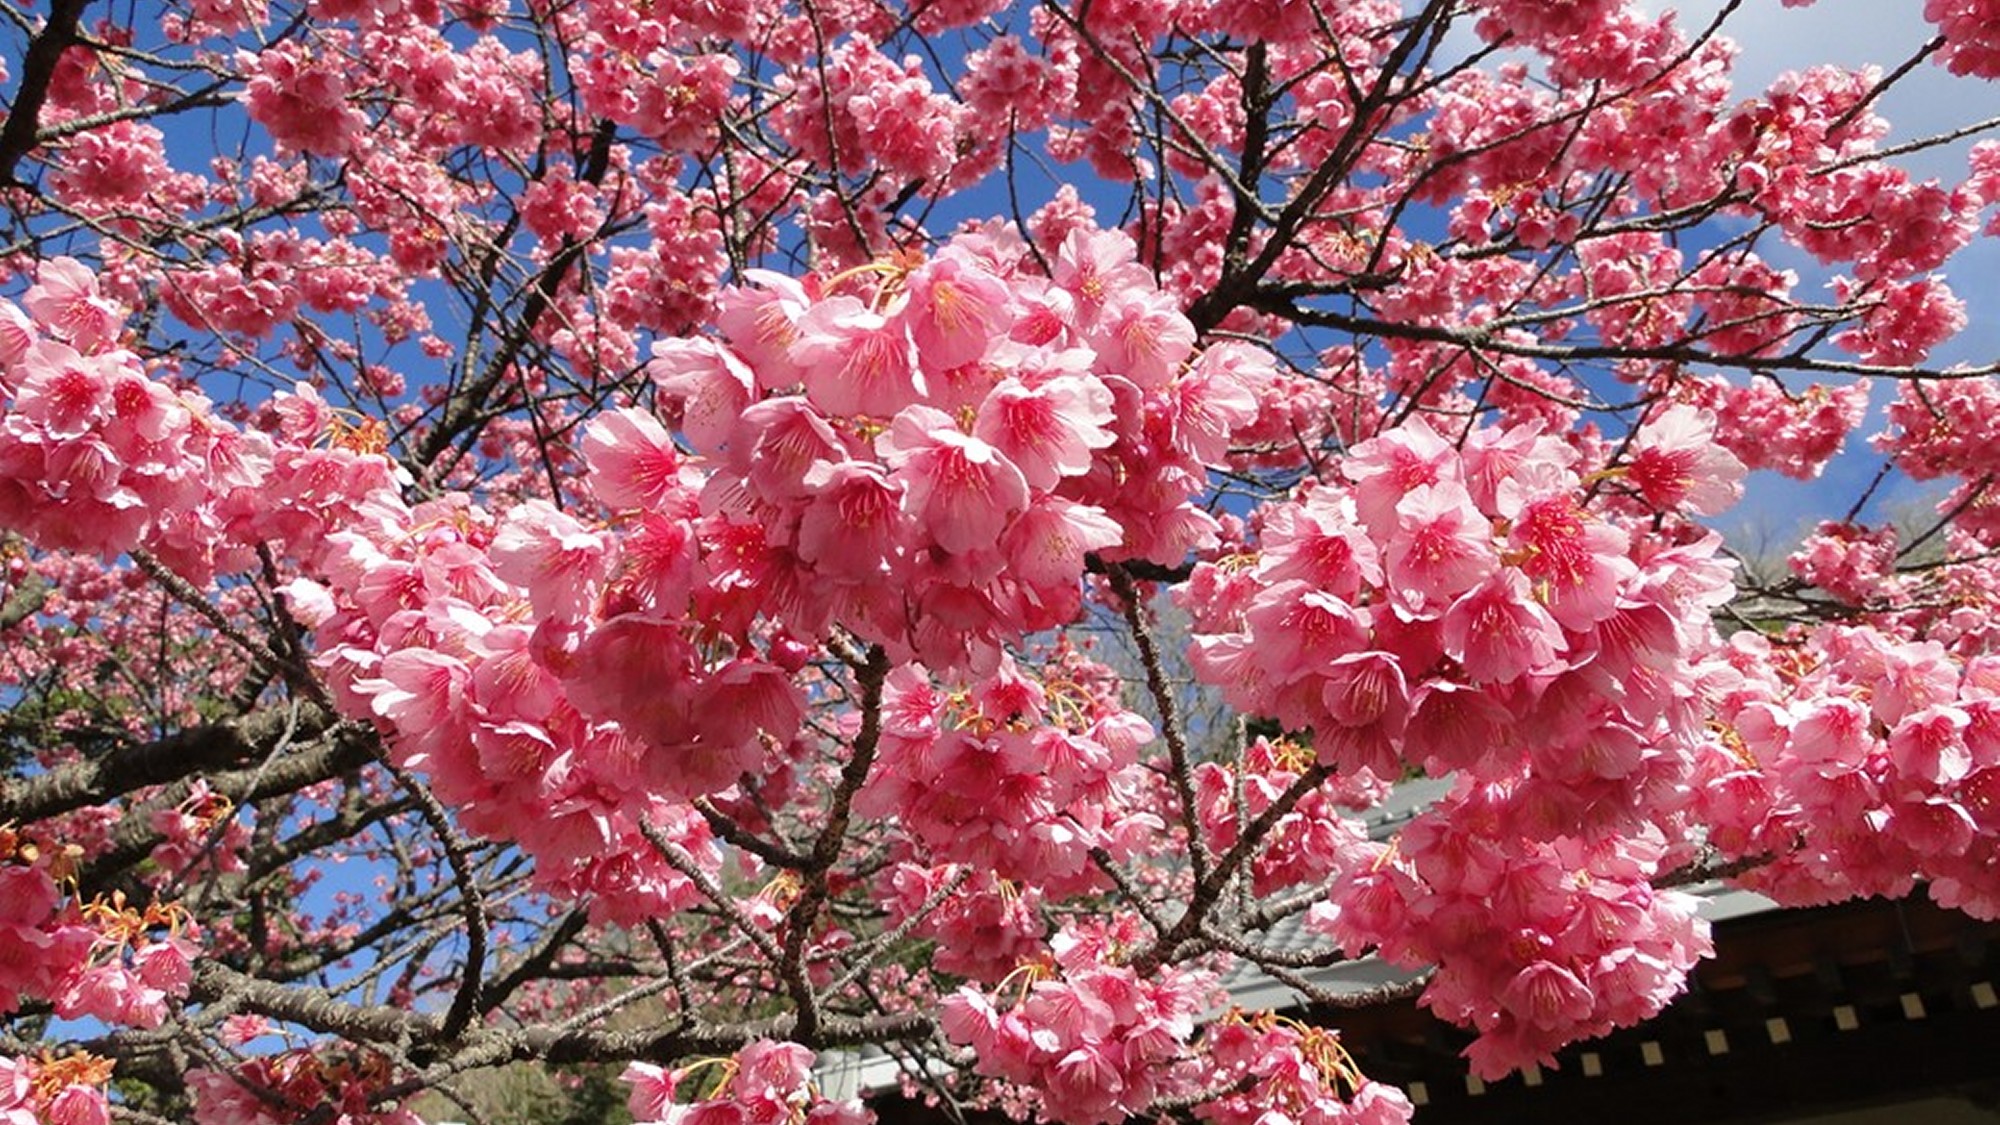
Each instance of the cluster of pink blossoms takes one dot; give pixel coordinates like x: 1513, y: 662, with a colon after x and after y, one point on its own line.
x: 103, y: 959
x: 1901, y: 321
x: 130, y: 972
x: 928, y: 451
x: 926, y: 470
x: 1454, y: 609
x: 301, y: 98
x: 764, y: 1083
x: 99, y: 456
x: 864, y: 109
x: 989, y: 927
x: 1858, y: 763
x: 1948, y: 428
x: 54, y: 1091
x: 1478, y: 609
x: 1855, y: 564
x: 1971, y: 30
x: 1011, y: 775
x: 38, y: 945
x: 1277, y: 1068
x: 1538, y: 939
x: 92, y: 449
x: 263, y: 1090
x: 418, y: 628
x: 1093, y: 1038
x: 928, y: 455
x: 200, y: 834
x: 1765, y: 426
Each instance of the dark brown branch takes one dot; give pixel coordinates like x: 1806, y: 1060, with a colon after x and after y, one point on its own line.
x: 1208, y: 891
x: 317, y: 958
x: 667, y: 1044
x: 308, y: 1006
x: 1170, y: 719
x: 1384, y: 993
x: 380, y: 1024
x: 1710, y: 868
x: 1236, y: 286
x: 1140, y: 569
x: 180, y: 755
x: 467, y: 405
x: 471, y: 900
x: 678, y: 858
x: 1486, y: 338
x: 826, y: 847
x: 24, y: 118
x: 356, y: 815
x: 341, y: 749
x: 734, y: 834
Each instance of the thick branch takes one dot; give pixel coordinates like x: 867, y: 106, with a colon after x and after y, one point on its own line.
x: 308, y: 1006
x: 329, y: 1014
x: 180, y: 755
x: 341, y: 749
x: 24, y: 118
x: 826, y: 848
x: 667, y: 1044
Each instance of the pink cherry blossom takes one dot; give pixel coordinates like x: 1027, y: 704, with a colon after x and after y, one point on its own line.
x: 946, y: 523
x: 1675, y: 461
x: 961, y: 489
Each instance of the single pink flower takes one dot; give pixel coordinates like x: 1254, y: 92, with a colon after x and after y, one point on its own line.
x: 855, y: 361
x: 652, y: 1097
x: 1387, y: 468
x: 1046, y: 545
x: 1442, y: 546
x: 633, y: 462
x: 562, y: 563
x: 1676, y: 461
x: 1500, y: 633
x: 964, y: 491
x: 419, y: 689
x: 708, y: 385
x: 782, y: 445
x: 955, y: 312
x: 761, y: 324
x: 65, y: 298
x: 1048, y: 431
x: 853, y: 526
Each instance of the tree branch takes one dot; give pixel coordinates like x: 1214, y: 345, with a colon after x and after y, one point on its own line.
x: 1170, y: 719
x: 826, y: 847
x: 24, y: 118
x: 180, y: 755
x: 342, y: 748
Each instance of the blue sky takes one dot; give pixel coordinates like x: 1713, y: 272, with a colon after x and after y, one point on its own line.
x: 1774, y: 39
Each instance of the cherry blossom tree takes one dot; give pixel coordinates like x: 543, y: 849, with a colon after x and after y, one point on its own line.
x: 648, y: 532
